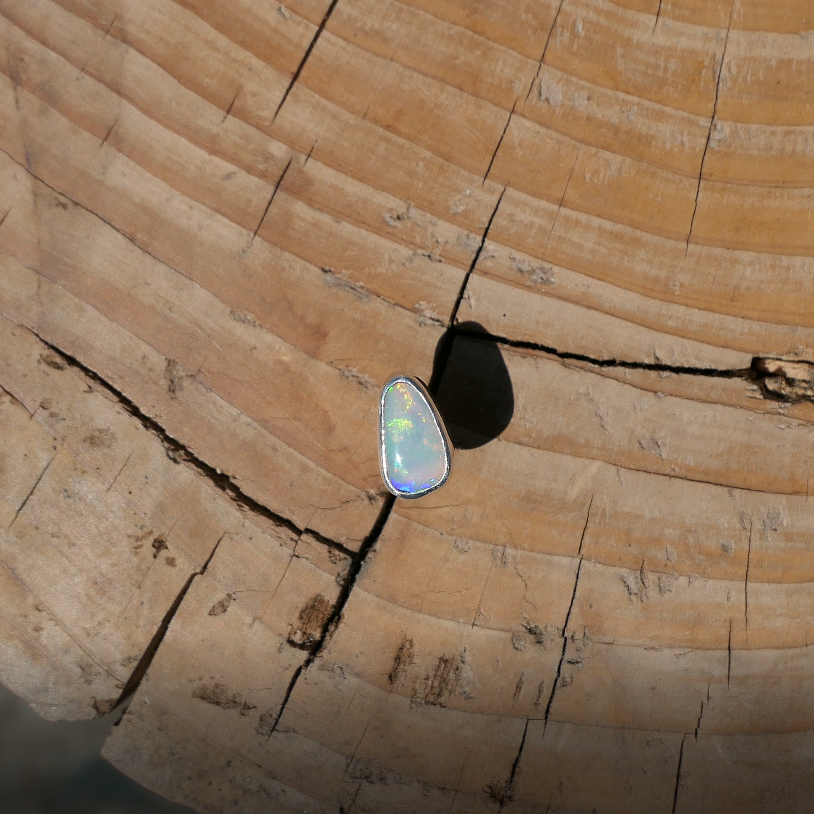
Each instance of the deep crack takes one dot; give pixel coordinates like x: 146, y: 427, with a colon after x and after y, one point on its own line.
x: 333, y: 620
x: 499, y: 143
x: 508, y: 793
x: 181, y: 453
x: 585, y: 528
x: 566, y: 623
x: 178, y: 452
x: 756, y: 372
x: 445, y: 345
x: 148, y: 655
x: 358, y: 560
x: 304, y: 59
x: 564, y: 646
x: 678, y: 774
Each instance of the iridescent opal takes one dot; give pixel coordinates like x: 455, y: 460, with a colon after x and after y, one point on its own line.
x: 415, y: 453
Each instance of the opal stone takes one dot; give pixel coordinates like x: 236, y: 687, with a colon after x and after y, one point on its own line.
x: 415, y: 454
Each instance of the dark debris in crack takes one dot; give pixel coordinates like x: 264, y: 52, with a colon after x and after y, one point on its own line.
x: 318, y: 643
x: 778, y: 379
x: 179, y: 453
x: 784, y: 380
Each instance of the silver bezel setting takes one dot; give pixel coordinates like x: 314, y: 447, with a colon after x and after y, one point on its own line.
x: 448, y: 448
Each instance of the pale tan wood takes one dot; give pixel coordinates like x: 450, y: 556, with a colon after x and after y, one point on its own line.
x: 523, y: 27
x: 413, y: 174
x: 621, y: 123
x: 760, y: 15
x: 664, y: 270
x: 386, y: 30
x: 553, y: 770
x: 747, y: 94
x: 713, y: 14
x: 712, y: 389
x: 687, y: 336
x: 760, y: 154
x: 522, y: 310
x: 656, y: 689
x: 615, y: 48
x: 749, y: 773
x: 127, y: 361
x: 106, y: 515
x: 242, y: 218
x: 766, y: 693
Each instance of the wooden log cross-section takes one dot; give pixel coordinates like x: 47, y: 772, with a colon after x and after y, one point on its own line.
x: 588, y: 224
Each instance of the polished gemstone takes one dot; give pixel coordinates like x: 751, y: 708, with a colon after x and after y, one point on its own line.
x: 415, y: 453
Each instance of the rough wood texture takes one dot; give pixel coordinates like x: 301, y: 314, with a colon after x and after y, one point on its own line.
x: 223, y: 225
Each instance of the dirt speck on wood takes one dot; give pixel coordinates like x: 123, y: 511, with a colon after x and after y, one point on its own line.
x: 311, y: 622
x: 219, y: 695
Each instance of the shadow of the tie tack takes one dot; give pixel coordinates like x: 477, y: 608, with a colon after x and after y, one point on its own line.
x: 472, y: 386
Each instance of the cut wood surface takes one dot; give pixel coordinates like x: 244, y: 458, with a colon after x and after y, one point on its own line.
x: 587, y: 224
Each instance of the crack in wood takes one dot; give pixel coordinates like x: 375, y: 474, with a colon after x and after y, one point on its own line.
x: 271, y: 199
x: 658, y: 15
x: 729, y: 656
x: 332, y: 622
x: 445, y: 345
x: 31, y: 492
x: 229, y: 109
x: 721, y: 373
x: 508, y: 794
x: 110, y: 27
x: 121, y: 469
x: 562, y: 197
x: 545, y: 48
x: 108, y: 134
x: 698, y: 722
x: 140, y: 670
x: 585, y: 528
x: 310, y: 153
x: 556, y: 682
x: 500, y: 141
x: 711, y: 126
x: 746, y: 579
x: 349, y: 808
x: 678, y: 774
x: 182, y: 453
x: 304, y: 59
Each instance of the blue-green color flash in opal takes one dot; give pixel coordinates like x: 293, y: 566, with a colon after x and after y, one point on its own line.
x: 415, y: 453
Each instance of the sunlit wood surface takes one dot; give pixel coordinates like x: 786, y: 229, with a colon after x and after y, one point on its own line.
x: 224, y: 224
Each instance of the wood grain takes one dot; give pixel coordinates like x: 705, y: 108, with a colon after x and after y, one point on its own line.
x: 224, y: 225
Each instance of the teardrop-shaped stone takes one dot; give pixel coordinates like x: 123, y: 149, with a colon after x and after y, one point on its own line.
x: 415, y: 453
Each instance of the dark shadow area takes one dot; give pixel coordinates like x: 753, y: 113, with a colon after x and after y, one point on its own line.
x: 471, y: 385
x: 56, y: 768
